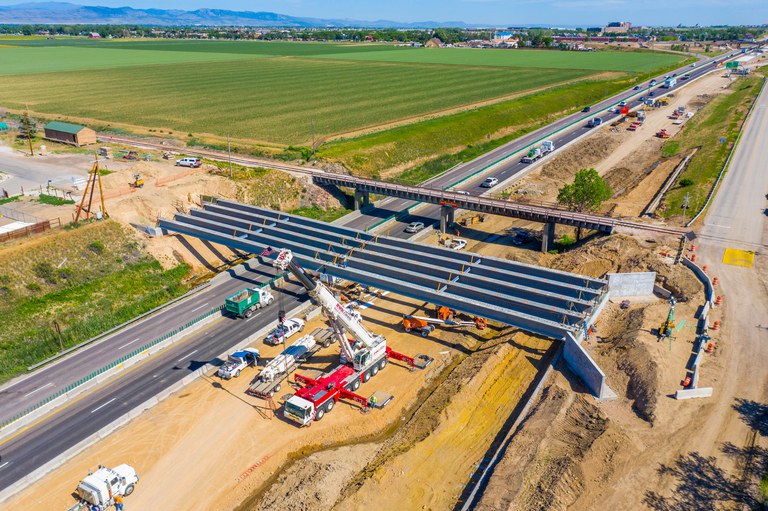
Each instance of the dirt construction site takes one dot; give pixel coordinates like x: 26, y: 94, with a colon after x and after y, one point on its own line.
x: 211, y: 446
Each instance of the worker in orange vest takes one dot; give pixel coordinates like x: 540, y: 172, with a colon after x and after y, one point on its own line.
x: 118, y: 503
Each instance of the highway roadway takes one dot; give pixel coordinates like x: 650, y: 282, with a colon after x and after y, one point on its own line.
x: 470, y: 175
x: 75, y: 421
x: 68, y: 425
x: 18, y: 395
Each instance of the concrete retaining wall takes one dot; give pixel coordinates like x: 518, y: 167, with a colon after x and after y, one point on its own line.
x: 623, y: 285
x: 584, y: 367
x: 692, y: 393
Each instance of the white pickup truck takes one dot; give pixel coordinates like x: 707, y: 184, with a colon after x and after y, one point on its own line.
x: 238, y: 361
x: 281, y: 333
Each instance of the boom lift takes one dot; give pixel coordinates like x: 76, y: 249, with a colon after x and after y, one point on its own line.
x: 361, y: 358
x: 445, y: 316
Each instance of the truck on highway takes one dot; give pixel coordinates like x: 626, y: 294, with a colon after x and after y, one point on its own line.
x: 536, y: 153
x: 244, y: 302
x: 101, y: 487
x: 238, y: 361
x: 271, y: 377
x: 595, y: 122
x: 670, y: 82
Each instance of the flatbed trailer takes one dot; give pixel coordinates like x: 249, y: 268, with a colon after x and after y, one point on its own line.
x: 267, y: 388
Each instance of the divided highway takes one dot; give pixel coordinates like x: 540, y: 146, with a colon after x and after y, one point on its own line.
x: 64, y: 428
x: 470, y: 174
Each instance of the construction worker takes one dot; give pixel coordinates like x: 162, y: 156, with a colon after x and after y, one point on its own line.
x: 118, y: 503
x: 372, y: 402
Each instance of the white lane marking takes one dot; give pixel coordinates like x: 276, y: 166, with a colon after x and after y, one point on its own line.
x: 187, y: 355
x: 4, y: 464
x: 39, y: 388
x: 718, y: 225
x: 102, y: 406
x: 196, y: 308
x: 126, y: 344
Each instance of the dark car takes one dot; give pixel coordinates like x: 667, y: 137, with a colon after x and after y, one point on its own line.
x: 642, y: 100
x: 652, y: 93
x: 636, y: 87
x: 586, y: 109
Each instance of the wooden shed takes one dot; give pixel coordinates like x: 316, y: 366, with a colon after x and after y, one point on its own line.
x: 67, y: 133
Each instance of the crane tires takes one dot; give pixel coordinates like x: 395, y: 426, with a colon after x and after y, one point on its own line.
x: 329, y: 406
x: 424, y: 332
x: 319, y: 413
x: 374, y: 371
x: 277, y: 388
x: 326, y: 344
x: 407, y: 329
x: 128, y: 490
x: 355, y: 385
x: 366, y: 377
x: 248, y: 313
x: 382, y: 364
x: 237, y: 373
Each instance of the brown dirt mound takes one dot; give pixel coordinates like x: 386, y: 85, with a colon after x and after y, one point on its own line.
x: 618, y: 253
x: 542, y: 467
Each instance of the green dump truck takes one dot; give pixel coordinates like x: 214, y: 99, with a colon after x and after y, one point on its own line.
x: 243, y: 303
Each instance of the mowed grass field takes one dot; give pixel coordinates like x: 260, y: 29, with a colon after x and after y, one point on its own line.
x: 274, y: 91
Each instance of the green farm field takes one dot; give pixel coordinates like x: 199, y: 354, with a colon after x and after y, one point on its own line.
x: 272, y: 92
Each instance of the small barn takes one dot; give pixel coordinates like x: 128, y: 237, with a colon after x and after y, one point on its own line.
x: 435, y: 42
x: 67, y: 133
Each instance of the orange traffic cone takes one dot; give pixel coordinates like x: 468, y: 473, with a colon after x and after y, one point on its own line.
x: 715, y: 281
x: 716, y: 325
x: 693, y: 258
x: 718, y: 300
x: 704, y: 268
x: 710, y: 348
x: 693, y: 247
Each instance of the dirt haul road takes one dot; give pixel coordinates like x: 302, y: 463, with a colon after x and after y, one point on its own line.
x: 209, y: 446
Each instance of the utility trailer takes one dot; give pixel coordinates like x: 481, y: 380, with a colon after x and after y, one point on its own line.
x: 536, y: 153
x: 274, y: 373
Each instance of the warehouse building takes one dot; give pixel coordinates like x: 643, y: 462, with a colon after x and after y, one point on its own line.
x: 67, y: 133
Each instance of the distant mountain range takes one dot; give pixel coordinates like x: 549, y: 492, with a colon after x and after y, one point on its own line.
x: 66, y: 13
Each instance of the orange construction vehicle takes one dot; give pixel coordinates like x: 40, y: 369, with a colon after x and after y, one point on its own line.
x: 445, y: 316
x: 663, y: 133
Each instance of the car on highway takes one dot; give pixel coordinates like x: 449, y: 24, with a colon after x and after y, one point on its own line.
x: 414, y: 227
x: 462, y: 192
x: 281, y: 334
x: 622, y: 103
x: 586, y: 109
x: 636, y: 87
x: 652, y: 93
x: 642, y: 99
x: 489, y: 182
x: 458, y: 244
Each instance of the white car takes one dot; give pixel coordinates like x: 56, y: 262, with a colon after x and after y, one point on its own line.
x: 489, y: 182
x: 290, y: 327
x: 458, y: 244
x: 462, y: 192
x: 414, y: 227
x: 189, y: 162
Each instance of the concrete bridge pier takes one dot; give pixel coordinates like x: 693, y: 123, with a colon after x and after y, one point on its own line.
x: 548, y: 237
x: 446, y: 218
x: 362, y: 199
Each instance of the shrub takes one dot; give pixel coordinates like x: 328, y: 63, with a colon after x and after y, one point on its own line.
x: 96, y: 247
x: 34, y: 286
x: 45, y: 271
x: 686, y: 182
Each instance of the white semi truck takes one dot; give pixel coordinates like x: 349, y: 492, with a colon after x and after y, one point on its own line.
x: 101, y: 487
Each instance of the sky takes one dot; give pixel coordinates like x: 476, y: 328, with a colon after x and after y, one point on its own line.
x: 489, y: 12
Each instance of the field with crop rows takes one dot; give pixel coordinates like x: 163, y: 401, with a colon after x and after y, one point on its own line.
x: 274, y: 91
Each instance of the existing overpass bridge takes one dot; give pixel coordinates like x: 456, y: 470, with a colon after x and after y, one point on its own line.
x: 539, y: 300
x: 450, y: 201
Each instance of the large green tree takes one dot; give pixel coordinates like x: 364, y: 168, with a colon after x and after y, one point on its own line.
x: 587, y: 192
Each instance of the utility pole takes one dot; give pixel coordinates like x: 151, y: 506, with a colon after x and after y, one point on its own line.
x: 313, y: 138
x: 686, y: 204
x: 29, y: 135
x: 229, y: 157
x: 58, y: 332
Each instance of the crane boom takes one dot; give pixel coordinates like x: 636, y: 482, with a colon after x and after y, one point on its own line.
x: 341, y: 320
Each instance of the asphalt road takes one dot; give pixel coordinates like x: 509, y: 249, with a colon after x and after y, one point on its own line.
x: 73, y: 422
x: 430, y: 214
x: 50, y: 437
x: 19, y: 395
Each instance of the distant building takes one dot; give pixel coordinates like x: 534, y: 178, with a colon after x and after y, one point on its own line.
x: 504, y: 40
x: 617, y: 27
x: 94, y: 35
x: 67, y: 133
x: 435, y: 42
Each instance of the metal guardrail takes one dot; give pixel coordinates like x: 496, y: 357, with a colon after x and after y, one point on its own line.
x: 107, y: 367
x: 728, y: 160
